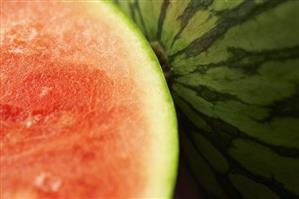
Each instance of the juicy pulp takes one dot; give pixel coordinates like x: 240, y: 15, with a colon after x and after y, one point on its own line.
x: 74, y: 116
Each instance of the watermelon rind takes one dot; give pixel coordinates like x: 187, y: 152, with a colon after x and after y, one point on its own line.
x: 163, y: 163
x: 232, y: 68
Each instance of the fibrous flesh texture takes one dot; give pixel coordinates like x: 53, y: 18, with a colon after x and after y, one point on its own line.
x: 71, y: 120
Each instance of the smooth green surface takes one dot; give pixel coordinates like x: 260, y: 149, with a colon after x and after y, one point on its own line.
x: 235, y: 77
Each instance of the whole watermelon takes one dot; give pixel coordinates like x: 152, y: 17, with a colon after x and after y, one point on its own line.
x: 233, y: 68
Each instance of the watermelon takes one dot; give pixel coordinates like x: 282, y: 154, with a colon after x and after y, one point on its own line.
x: 232, y: 68
x: 85, y: 111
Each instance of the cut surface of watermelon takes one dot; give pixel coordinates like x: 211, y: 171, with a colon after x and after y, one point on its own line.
x: 84, y: 109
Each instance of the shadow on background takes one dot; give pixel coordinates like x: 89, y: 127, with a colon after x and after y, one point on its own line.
x: 186, y: 187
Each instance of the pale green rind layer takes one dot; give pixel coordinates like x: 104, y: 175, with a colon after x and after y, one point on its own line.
x: 163, y: 160
x: 235, y: 76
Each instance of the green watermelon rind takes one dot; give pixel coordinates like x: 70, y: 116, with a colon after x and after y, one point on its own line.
x: 235, y: 81
x: 165, y: 181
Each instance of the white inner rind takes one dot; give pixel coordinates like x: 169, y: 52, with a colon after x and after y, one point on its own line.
x: 161, y: 166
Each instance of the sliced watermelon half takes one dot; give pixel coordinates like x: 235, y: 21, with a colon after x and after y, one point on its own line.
x: 85, y: 112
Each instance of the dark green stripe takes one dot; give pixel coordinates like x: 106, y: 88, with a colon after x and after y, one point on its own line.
x: 233, y: 132
x: 210, y: 95
x: 250, y: 61
x: 287, y: 108
x: 227, y: 20
x: 162, y: 18
x: 193, y: 7
x: 236, y: 167
x: 132, y: 11
x: 136, y: 5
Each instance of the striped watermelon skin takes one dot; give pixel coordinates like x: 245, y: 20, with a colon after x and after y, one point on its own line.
x: 233, y: 69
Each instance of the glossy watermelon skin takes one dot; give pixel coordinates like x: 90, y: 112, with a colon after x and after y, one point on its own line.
x: 233, y: 68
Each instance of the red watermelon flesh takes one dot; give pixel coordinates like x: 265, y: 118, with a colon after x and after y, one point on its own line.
x: 72, y: 124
